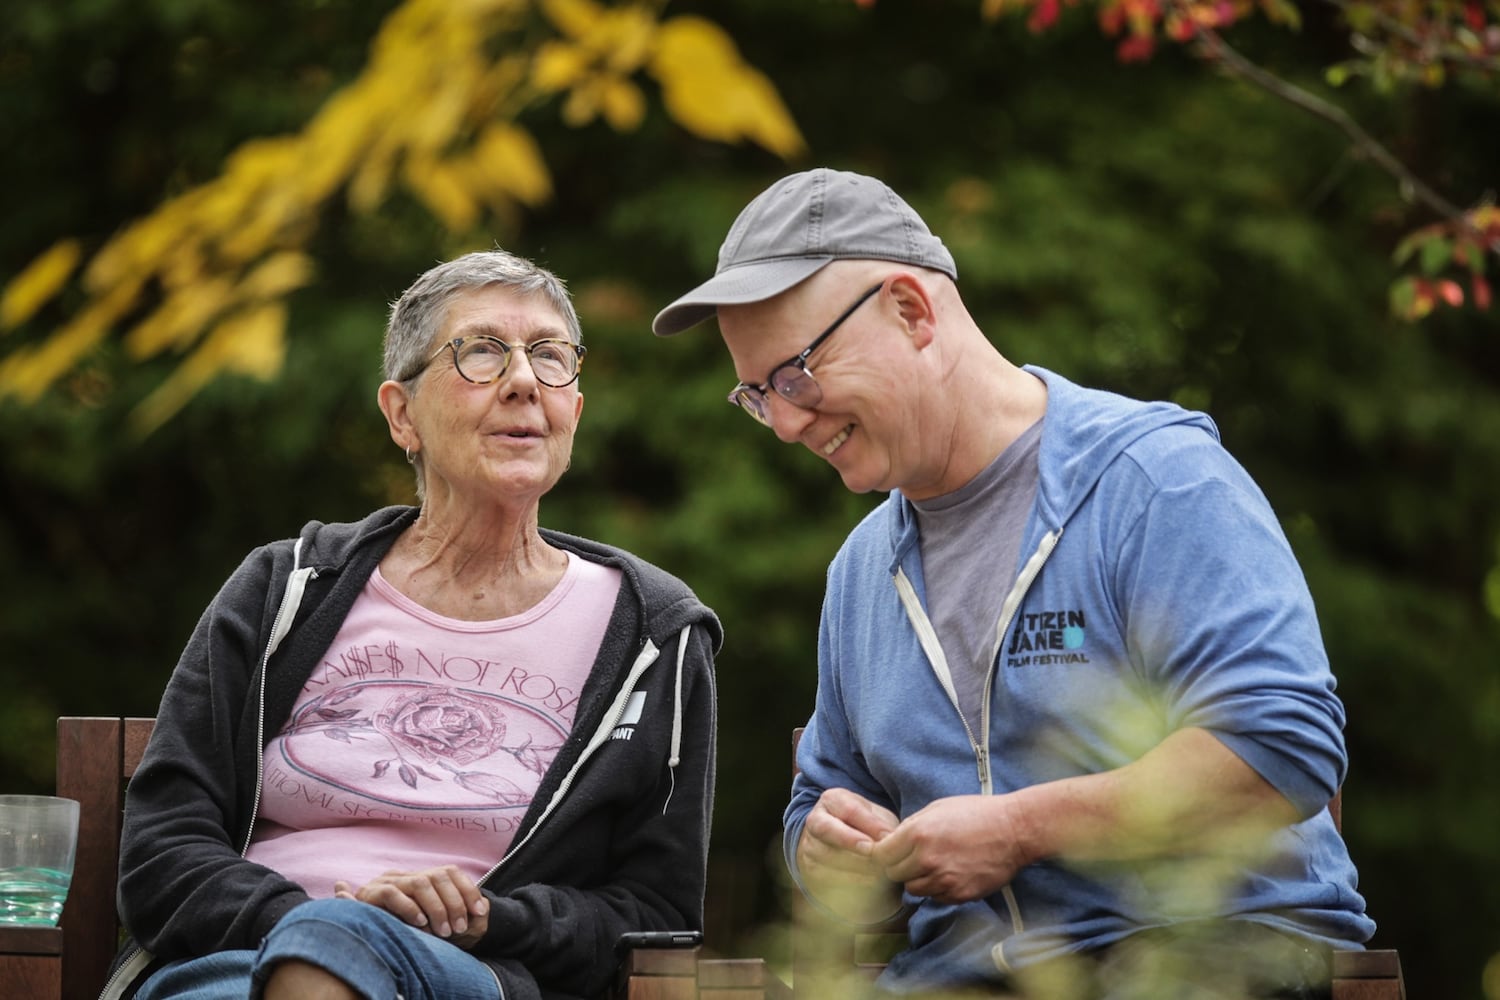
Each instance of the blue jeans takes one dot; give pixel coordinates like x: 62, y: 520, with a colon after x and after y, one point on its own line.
x: 380, y: 958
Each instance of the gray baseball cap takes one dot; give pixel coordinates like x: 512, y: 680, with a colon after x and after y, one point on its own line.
x: 797, y: 226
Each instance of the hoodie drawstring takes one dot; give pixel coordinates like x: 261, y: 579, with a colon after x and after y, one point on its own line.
x: 676, y: 755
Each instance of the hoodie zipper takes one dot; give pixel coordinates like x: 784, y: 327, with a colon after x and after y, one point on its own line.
x: 1007, y: 615
x: 126, y: 972
x: 927, y: 636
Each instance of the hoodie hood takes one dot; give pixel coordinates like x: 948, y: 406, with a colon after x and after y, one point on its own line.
x: 1085, y: 432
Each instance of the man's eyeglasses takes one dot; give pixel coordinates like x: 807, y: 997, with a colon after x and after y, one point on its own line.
x: 481, y: 359
x: 792, y: 380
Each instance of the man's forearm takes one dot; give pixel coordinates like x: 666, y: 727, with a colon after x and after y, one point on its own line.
x: 1189, y: 794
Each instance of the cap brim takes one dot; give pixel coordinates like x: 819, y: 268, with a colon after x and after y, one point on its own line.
x: 745, y: 283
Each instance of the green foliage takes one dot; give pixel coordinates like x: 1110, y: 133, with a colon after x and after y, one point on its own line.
x: 1152, y: 229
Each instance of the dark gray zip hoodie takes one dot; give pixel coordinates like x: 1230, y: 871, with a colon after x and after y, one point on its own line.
x: 616, y: 838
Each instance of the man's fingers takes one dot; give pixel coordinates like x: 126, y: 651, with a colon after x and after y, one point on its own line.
x: 857, y: 813
x: 897, y: 856
x: 817, y: 852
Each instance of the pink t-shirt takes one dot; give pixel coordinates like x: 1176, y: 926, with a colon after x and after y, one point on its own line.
x: 420, y: 740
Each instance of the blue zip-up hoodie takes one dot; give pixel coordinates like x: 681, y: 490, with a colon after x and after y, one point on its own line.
x: 1155, y: 591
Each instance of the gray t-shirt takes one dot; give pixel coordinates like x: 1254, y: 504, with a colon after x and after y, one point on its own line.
x: 970, y: 541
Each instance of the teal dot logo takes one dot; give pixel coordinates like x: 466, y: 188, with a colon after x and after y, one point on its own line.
x: 1072, y: 637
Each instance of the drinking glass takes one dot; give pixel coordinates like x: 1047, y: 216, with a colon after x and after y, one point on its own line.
x: 38, y: 838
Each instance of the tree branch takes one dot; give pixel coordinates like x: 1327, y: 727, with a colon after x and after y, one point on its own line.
x: 1212, y: 47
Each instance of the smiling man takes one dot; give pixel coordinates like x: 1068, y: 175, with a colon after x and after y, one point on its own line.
x: 1073, y: 712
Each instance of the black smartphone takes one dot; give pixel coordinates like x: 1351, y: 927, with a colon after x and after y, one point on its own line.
x: 658, y: 939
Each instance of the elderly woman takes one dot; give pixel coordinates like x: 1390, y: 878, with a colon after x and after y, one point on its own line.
x: 442, y: 752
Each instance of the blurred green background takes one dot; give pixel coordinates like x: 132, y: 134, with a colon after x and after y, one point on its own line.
x: 1155, y: 229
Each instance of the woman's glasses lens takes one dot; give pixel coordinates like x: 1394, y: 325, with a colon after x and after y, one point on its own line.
x: 484, y: 359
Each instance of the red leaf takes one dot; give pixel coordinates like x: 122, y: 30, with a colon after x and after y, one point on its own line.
x: 1043, y: 15
x: 1482, y: 293
x: 1474, y: 15
x: 1423, y: 300
x: 1451, y: 293
x: 1179, y: 28
x: 1136, y: 48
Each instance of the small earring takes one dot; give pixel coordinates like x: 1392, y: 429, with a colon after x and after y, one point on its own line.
x: 411, y: 456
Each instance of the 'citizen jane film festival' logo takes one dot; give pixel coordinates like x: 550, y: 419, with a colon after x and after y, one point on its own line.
x: 1047, y: 638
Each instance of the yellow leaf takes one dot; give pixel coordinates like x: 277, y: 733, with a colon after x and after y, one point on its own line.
x: 627, y: 35
x: 430, y: 124
x: 582, y: 103
x: 441, y: 189
x: 252, y: 343
x: 624, y: 104
x: 709, y: 91
x: 277, y: 275
x: 42, y: 279
x: 337, y: 140
x: 266, y: 222
x: 216, y: 207
x: 501, y: 82
x: 27, y: 373
x: 766, y: 119
x: 183, y: 265
x: 991, y: 9
x: 557, y: 66
x: 510, y: 160
x: 687, y: 44
x: 574, y: 18
x: 180, y: 318
x: 260, y: 161
x: 132, y: 255
x: 373, y: 177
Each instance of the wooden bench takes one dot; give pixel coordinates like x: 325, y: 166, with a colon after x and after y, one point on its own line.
x: 95, y: 759
x: 823, y: 955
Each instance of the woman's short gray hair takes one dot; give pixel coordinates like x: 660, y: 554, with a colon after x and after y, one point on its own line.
x: 418, y: 315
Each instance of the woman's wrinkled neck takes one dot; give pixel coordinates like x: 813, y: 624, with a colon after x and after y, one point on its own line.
x: 475, y: 564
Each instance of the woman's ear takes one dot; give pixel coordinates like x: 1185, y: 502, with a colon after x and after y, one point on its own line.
x: 395, y: 403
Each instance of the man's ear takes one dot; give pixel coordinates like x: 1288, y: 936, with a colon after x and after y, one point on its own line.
x: 396, y: 405
x: 915, y: 307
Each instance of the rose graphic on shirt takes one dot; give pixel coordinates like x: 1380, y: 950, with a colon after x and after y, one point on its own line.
x: 442, y: 724
x: 431, y: 730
